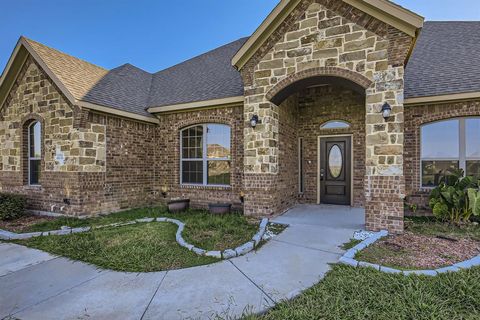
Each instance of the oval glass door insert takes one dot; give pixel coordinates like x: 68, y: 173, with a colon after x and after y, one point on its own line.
x: 335, y: 161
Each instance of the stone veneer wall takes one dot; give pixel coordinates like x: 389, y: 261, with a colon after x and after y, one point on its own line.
x: 168, y: 156
x: 317, y: 106
x: 328, y: 37
x: 415, y: 116
x: 111, y: 163
x: 35, y: 97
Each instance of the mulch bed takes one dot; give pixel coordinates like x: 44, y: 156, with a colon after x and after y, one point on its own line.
x: 21, y: 224
x: 415, y: 251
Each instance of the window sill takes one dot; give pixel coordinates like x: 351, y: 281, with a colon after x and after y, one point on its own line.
x: 204, y: 187
x: 33, y: 187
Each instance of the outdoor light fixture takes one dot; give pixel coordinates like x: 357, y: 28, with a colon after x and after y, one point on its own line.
x: 254, y: 121
x: 386, y: 111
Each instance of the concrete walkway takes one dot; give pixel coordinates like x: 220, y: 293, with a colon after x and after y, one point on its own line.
x: 36, y: 285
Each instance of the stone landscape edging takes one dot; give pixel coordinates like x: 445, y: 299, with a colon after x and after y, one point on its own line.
x: 349, y: 259
x: 225, y: 254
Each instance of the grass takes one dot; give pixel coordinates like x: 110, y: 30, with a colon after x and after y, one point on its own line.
x: 145, y: 247
x: 350, y: 244
x: 432, y: 227
x: 364, y: 293
x: 204, y: 230
x: 135, y: 248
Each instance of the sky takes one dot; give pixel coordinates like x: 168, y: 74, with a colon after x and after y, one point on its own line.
x: 156, y: 34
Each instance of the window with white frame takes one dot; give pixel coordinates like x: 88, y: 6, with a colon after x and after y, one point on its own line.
x: 205, y: 155
x: 447, y: 146
x: 34, y: 152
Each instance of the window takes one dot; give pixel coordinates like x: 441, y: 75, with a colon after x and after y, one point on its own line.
x: 34, y: 152
x: 472, y: 141
x: 335, y: 124
x: 447, y: 146
x: 205, y: 155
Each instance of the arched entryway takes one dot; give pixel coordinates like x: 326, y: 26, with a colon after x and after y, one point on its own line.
x: 321, y: 135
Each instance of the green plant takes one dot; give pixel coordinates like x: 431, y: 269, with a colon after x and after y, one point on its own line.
x: 474, y: 201
x: 12, y: 206
x: 449, y: 201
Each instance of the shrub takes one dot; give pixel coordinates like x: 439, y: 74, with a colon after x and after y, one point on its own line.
x: 474, y: 201
x: 12, y: 206
x: 449, y: 201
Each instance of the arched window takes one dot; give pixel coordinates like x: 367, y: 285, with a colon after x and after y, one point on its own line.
x: 449, y: 145
x: 335, y: 124
x: 34, y: 152
x: 205, y: 155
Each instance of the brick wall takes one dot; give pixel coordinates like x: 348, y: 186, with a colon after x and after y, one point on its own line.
x: 415, y: 116
x: 287, y: 182
x: 128, y: 180
x: 168, y: 156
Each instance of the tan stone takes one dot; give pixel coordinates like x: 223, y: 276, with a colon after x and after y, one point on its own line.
x: 263, y: 74
x: 308, y: 23
x: 335, y: 22
x: 299, y: 52
x: 359, y: 44
x: 287, y: 45
x: 326, y: 53
x: 352, y: 56
x: 329, y: 43
x: 378, y: 138
x: 388, y: 150
x: 354, y: 36
x: 377, y: 55
x: 272, y: 64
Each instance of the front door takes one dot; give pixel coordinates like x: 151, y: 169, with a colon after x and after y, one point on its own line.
x: 335, y: 170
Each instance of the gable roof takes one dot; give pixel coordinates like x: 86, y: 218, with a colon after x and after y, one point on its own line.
x: 128, y: 89
x: 384, y: 10
x: 446, y: 60
x: 206, y: 77
x: 444, y: 63
x: 77, y: 75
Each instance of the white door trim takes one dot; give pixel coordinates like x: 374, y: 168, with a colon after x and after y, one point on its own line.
x: 319, y: 201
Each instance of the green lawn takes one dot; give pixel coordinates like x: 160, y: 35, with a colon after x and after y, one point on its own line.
x: 363, y: 293
x: 430, y: 226
x: 145, y: 247
x: 204, y: 230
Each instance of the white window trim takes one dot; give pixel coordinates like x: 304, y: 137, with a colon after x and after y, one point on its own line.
x: 30, y: 158
x: 204, y: 158
x: 348, y: 124
x: 462, y: 147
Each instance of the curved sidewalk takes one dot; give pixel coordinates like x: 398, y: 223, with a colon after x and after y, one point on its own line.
x: 36, y: 285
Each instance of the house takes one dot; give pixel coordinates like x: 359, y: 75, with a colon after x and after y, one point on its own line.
x: 354, y: 102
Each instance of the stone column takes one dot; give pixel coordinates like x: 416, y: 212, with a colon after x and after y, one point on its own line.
x: 261, y: 154
x: 384, y: 180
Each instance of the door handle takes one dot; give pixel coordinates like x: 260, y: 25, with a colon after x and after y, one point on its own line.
x: 322, y: 174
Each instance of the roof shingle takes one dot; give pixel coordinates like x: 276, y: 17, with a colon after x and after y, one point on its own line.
x: 445, y: 60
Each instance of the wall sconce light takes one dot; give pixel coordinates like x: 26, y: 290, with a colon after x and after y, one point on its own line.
x: 254, y: 121
x: 164, y: 191
x: 386, y: 111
